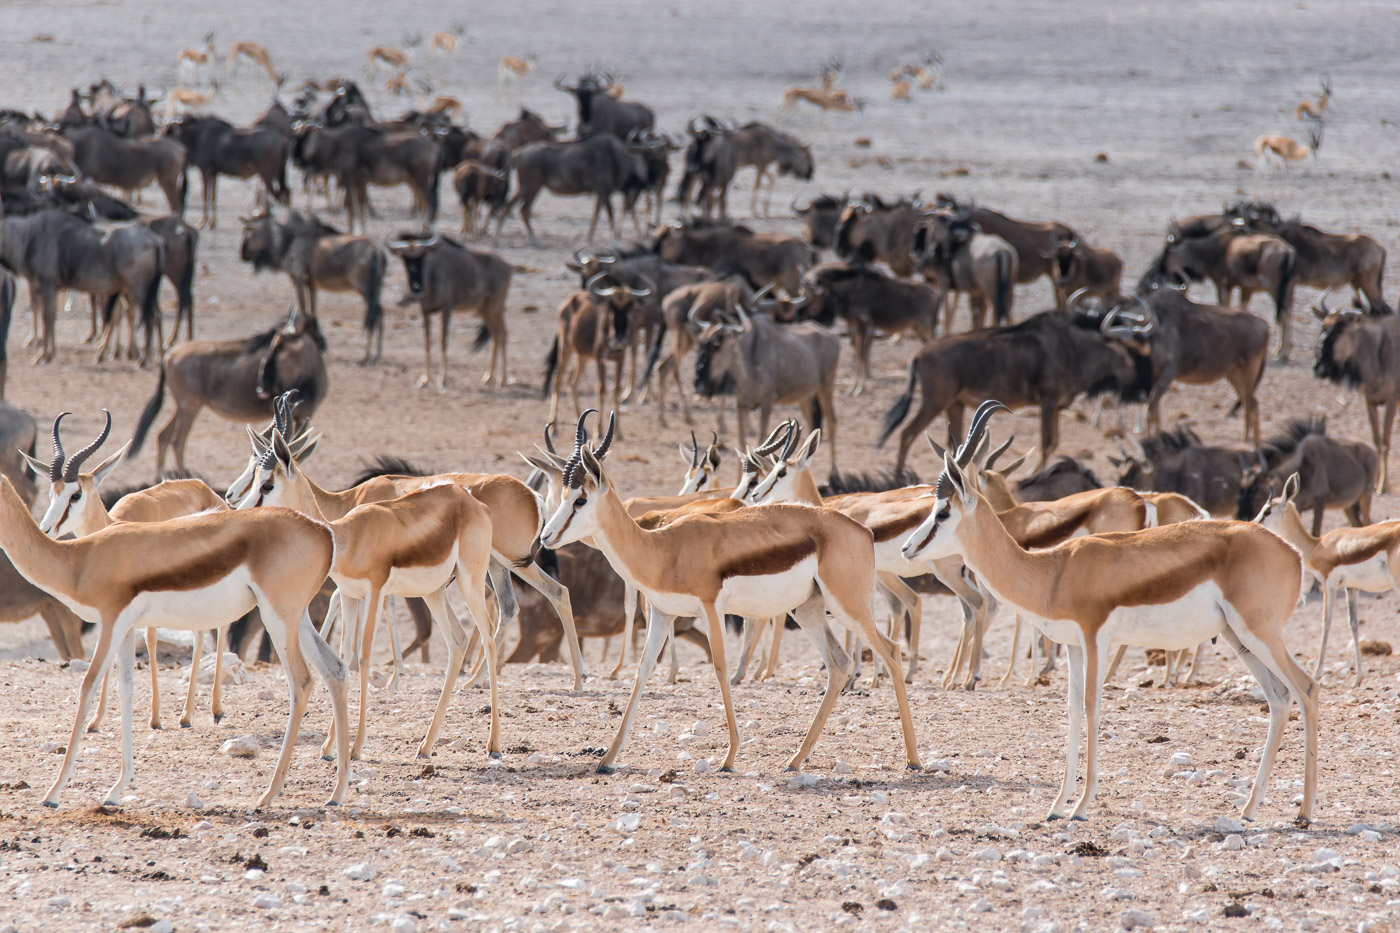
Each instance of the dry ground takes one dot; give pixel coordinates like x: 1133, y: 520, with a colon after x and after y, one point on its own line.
x: 1173, y: 95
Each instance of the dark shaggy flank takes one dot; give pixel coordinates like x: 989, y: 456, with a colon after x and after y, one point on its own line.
x: 1170, y: 442
x: 1341, y: 372
x: 880, y: 481
x: 387, y: 465
x: 1058, y: 468
x: 1277, y: 448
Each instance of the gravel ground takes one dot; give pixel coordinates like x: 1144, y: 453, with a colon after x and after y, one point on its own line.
x: 1173, y: 96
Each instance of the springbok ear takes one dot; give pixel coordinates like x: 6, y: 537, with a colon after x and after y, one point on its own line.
x: 593, y: 468
x: 1290, y: 487
x: 259, y: 443
x: 539, y: 464
x: 713, y: 456
x: 685, y: 454
x: 38, y: 467
x: 108, y: 466
x: 1014, y: 465
x: 281, y: 451
x: 808, y: 449
x: 955, y: 474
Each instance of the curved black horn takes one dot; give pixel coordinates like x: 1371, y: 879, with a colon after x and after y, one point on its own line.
x: 694, y: 451
x: 991, y: 460
x: 571, y: 465
x: 979, y: 427
x: 773, y: 441
x: 601, y: 450
x: 56, y: 467
x: 793, y: 437
x: 549, y: 439
x: 75, y: 463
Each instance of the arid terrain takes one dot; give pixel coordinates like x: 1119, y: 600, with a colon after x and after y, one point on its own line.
x: 1172, y: 96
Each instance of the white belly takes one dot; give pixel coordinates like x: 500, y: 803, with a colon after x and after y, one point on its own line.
x: 768, y: 596
x: 403, y: 581
x: 888, y: 559
x: 1369, y: 576
x: 1184, y: 623
x: 196, y: 610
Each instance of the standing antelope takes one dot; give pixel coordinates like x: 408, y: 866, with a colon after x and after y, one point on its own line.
x: 1281, y: 150
x: 1351, y: 559
x: 192, y: 574
x: 1314, y: 109
x: 409, y: 546
x: 445, y: 43
x: 257, y: 55
x: 390, y: 57
x: 192, y: 64
x: 510, y: 77
x: 1169, y: 588
x: 756, y: 562
x: 824, y: 100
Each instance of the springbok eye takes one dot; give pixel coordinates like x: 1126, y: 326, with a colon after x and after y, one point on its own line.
x: 77, y: 495
x: 782, y: 473
x: 580, y: 502
x: 267, y: 488
x: 943, y: 514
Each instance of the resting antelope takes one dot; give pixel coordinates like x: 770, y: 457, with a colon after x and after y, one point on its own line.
x: 1314, y: 109
x: 409, y: 546
x: 257, y: 55
x: 192, y: 574
x: 1362, y: 559
x: 75, y: 508
x: 192, y: 64
x: 1169, y: 588
x: 758, y: 562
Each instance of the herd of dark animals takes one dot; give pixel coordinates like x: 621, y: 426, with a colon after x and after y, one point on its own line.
x: 898, y: 262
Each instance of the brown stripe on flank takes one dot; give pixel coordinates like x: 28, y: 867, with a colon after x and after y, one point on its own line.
x: 198, y: 570
x: 898, y: 526
x: 768, y: 562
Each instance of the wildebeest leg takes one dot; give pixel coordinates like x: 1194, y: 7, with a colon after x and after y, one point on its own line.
x: 1049, y: 433
x: 826, y: 399
x: 96, y: 317
x: 593, y: 224
x: 49, y: 303
x: 612, y: 220
x: 493, y: 318
x: 1383, y: 483
x: 742, y: 416
x: 1222, y: 292
x: 950, y: 310
x: 442, y: 347
x: 860, y: 340
x: 1318, y: 508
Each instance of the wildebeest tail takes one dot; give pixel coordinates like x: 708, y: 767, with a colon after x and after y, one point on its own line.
x: 483, y: 337
x: 653, y: 354
x: 1285, y: 287
x: 900, y: 409
x: 1001, y: 301
x: 150, y: 301
x: 551, y: 363
x: 7, y: 307
x: 148, y: 414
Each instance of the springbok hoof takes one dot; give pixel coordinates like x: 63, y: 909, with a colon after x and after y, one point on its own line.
x: 332, y: 802
x: 495, y: 755
x: 51, y: 804
x: 605, y: 769
x: 726, y: 770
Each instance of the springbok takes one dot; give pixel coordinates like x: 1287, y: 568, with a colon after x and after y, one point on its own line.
x: 1168, y: 588
x: 1314, y: 109
x: 510, y: 77
x: 255, y: 54
x: 824, y: 100
x: 1281, y: 150
x: 760, y: 562
x: 1352, y: 559
x: 192, y: 64
x: 395, y: 59
x: 409, y: 546
x: 75, y: 508
x: 193, y: 574
x: 445, y: 43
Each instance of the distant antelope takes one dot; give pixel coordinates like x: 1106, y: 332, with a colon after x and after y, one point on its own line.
x: 445, y: 43
x: 257, y: 55
x: 830, y: 72
x: 510, y: 76
x: 826, y: 99
x: 396, y: 59
x: 190, y: 64
x: 446, y: 103
x: 1285, y: 149
x: 398, y: 84
x: 182, y: 100
x: 900, y: 85
x: 1314, y: 109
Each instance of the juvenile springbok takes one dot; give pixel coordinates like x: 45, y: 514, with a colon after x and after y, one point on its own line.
x: 1362, y: 559
x: 76, y: 508
x: 760, y: 562
x: 192, y: 574
x: 1168, y: 588
x: 409, y: 546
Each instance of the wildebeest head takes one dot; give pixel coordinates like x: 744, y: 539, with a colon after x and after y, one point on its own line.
x: 796, y: 160
x: 1337, y: 357
x: 618, y: 297
x: 262, y: 242
x: 413, y: 249
x: 719, y: 355
x: 585, y: 91
x: 820, y: 217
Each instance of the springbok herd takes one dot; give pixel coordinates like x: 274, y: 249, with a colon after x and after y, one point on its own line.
x: 1195, y: 543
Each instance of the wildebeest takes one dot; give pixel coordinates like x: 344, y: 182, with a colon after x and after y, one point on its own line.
x: 1092, y: 271
x: 358, y: 156
x: 238, y: 379
x: 600, y: 113
x: 1321, y: 259
x: 1232, y: 258
x: 771, y: 152
x: 730, y: 249
x: 685, y: 312
x: 477, y: 186
x: 181, y: 250
x: 1047, y: 360
x: 763, y: 364
x: 316, y: 255
x: 655, y: 150
x: 599, y: 165
x: 593, y: 324
x: 216, y: 147
x: 1178, y: 461
x: 55, y: 250
x: 710, y: 163
x: 1362, y: 351
x: 868, y: 300
x: 445, y: 276
x: 527, y: 128
x: 820, y: 218
x: 954, y: 253
x: 1334, y: 474
x: 872, y: 229
x: 132, y: 163
x: 8, y: 290
x: 1034, y: 241
x: 1064, y: 477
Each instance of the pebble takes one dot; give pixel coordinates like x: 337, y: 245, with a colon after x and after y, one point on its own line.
x: 989, y: 854
x: 628, y: 822
x: 50, y: 747
x: 1233, y: 843
x: 267, y: 901
x: 245, y: 746
x: 517, y: 845
x: 60, y: 902
x: 1118, y: 894
x: 393, y: 889
x: 1136, y: 920
x: 944, y: 854
x: 404, y: 924
x: 981, y: 906
x: 702, y: 765
x: 800, y: 781
x: 841, y: 768
x: 194, y: 802
x: 1179, y: 761
x: 253, y: 874
x: 77, y: 666
x: 201, y: 826
x: 699, y: 730
x: 360, y: 871
x: 1227, y: 824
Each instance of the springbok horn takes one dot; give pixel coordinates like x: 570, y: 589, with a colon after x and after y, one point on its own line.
x: 580, y: 438
x: 992, y: 457
x: 694, y: 451
x: 772, y: 442
x: 549, y: 439
x: 979, y: 426
x: 56, y: 467
x: 793, y: 437
x: 75, y: 463
x: 601, y: 450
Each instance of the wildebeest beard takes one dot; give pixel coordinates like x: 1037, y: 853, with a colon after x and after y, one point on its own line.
x: 413, y: 269
x: 1139, y: 390
x: 705, y: 382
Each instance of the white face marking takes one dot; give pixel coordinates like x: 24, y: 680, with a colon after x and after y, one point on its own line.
x: 240, y: 487
x: 778, y: 486
x: 575, y: 518
x: 65, y: 511
x: 937, y: 536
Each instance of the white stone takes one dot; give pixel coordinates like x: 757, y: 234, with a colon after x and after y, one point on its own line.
x: 76, y: 666
x: 49, y: 747
x: 841, y: 768
x: 267, y: 901
x: 702, y: 765
x: 517, y: 845
x: 201, y: 826
x: 1233, y: 843
x: 1227, y: 824
x: 628, y: 822
x: 1324, y: 855
x: 944, y: 854
x: 404, y: 924
x: 1137, y: 920
x: 1118, y: 894
x: 194, y: 802
x: 360, y: 871
x: 699, y: 730
x: 253, y: 874
x: 245, y: 746
x: 989, y: 854
x: 1179, y: 761
x: 393, y: 889
x: 980, y: 906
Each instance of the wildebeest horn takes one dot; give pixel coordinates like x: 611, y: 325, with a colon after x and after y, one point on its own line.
x: 694, y: 451
x: 601, y: 450
x: 56, y: 467
x: 799, y: 210
x: 595, y: 290
x: 744, y: 322
x: 758, y: 295
x: 75, y: 463
x: 642, y: 293
x: 691, y: 318
x: 1322, y: 303
x: 581, y: 257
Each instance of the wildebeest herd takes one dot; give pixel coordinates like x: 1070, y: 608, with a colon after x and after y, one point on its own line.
x: 1210, y: 535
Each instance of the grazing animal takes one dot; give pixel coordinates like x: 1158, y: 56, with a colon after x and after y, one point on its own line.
x: 1323, y: 260
x: 445, y: 276
x: 1315, y: 109
x: 216, y: 148
x: 592, y: 324
x: 1170, y: 588
x: 601, y: 113
x: 1362, y: 351
x: 600, y: 165
x: 730, y: 249
x: 193, y: 65
x: 132, y: 163
x: 1035, y: 242
x: 1285, y: 150
x: 834, y: 99
x: 956, y: 255
x: 1333, y: 473
x: 239, y: 52
x: 1178, y: 461
x: 1091, y: 271
x: 821, y: 217
x: 316, y: 255
x: 480, y: 186
x: 239, y: 379
x: 873, y: 230
x: 527, y: 128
